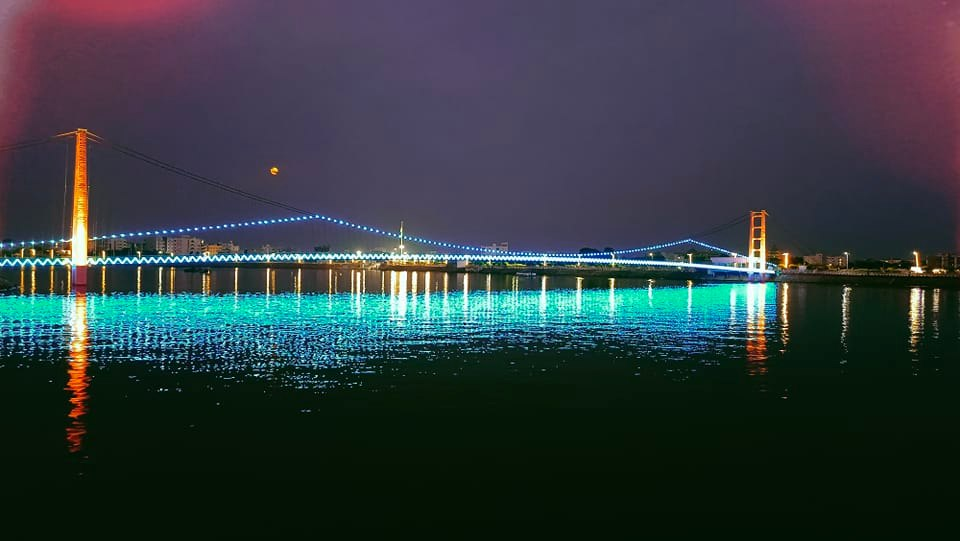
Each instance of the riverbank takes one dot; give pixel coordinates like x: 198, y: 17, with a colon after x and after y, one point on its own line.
x: 879, y: 279
x: 853, y: 277
x: 666, y: 274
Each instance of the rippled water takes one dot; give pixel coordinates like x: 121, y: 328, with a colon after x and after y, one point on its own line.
x: 354, y: 332
x: 472, y: 377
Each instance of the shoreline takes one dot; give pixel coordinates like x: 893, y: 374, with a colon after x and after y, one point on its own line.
x: 833, y: 278
x: 871, y: 279
x: 673, y: 275
x: 852, y: 278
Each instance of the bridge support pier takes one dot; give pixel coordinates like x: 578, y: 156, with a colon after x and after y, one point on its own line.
x: 78, y: 242
x: 78, y: 277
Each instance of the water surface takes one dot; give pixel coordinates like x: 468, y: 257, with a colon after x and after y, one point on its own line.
x: 454, y: 388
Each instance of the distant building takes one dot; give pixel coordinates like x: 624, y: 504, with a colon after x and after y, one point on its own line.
x: 222, y: 248
x: 112, y: 245
x: 179, y: 245
x: 944, y: 261
x: 813, y: 260
x: 498, y: 247
x: 835, y: 261
x: 739, y: 262
x: 271, y: 249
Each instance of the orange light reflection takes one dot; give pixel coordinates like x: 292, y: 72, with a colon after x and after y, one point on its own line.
x: 78, y: 381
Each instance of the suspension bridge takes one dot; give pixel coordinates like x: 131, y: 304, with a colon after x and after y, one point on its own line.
x: 78, y: 258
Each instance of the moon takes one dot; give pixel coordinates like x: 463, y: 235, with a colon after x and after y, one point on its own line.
x: 274, y: 170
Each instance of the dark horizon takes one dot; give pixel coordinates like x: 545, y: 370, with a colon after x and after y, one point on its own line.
x: 549, y: 125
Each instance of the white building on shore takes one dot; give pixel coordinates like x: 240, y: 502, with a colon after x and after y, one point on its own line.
x: 175, y: 245
x: 498, y: 247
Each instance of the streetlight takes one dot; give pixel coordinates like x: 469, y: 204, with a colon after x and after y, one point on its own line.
x: 846, y: 260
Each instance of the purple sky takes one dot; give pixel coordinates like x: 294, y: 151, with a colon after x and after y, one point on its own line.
x: 550, y: 124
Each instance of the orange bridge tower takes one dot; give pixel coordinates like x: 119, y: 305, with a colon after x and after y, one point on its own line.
x: 81, y: 214
x: 757, y: 256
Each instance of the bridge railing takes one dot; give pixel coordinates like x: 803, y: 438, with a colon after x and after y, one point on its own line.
x: 314, y: 257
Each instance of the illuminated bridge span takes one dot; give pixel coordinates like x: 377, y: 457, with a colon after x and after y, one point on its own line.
x: 369, y: 229
x: 79, y: 260
x: 314, y: 257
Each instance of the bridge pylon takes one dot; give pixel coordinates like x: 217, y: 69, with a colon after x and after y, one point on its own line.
x: 81, y: 213
x: 757, y: 255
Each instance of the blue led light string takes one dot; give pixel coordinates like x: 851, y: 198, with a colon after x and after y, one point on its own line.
x: 369, y: 229
x: 305, y: 215
x: 133, y: 153
x: 293, y: 219
x: 359, y: 227
x: 30, y: 243
x: 391, y: 234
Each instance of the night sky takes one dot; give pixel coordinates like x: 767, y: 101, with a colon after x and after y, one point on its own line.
x: 550, y: 124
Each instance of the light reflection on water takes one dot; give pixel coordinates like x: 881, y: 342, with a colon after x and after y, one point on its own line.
x: 784, y: 316
x: 307, y: 333
x: 845, y: 322
x: 335, y: 329
x: 78, y: 380
x: 756, y: 295
x: 917, y: 296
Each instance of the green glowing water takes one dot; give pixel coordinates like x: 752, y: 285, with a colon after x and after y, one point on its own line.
x: 450, y: 388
